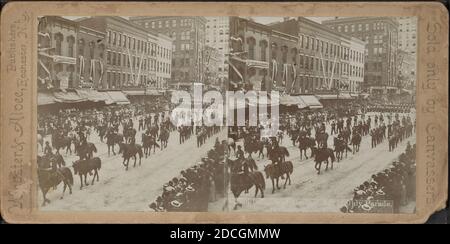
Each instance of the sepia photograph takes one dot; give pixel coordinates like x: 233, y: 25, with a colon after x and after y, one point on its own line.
x: 109, y: 139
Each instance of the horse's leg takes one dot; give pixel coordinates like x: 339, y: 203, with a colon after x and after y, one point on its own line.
x: 81, y: 180
x: 256, y: 189
x: 93, y: 178
x: 85, y: 180
x: 278, y: 187
x: 64, y: 189
x: 44, y: 193
x: 273, y: 186
x: 320, y: 165
x: 287, y: 177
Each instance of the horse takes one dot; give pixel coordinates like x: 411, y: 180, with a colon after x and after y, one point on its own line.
x: 63, y: 142
x: 322, y: 155
x: 275, y: 172
x: 305, y: 143
x: 51, y: 177
x: 240, y: 181
x: 339, y: 147
x: 148, y: 142
x: 86, y: 150
x: 321, y: 138
x: 113, y: 139
x: 129, y: 134
x: 356, y: 142
x: 278, y: 154
x: 130, y: 150
x: 163, y: 138
x: 84, y: 167
x: 251, y: 146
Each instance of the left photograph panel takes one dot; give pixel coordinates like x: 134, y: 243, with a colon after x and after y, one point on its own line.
x: 112, y: 134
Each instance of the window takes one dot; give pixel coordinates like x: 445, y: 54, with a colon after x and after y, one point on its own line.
x: 114, y: 38
x: 153, y: 25
x: 346, y: 28
x: 109, y: 37
x: 71, y: 41
x: 59, y: 39
x: 108, y: 57
x: 159, y: 24
x: 174, y: 23
x: 301, y: 61
x: 339, y: 28
x: 353, y: 28
x: 251, y: 48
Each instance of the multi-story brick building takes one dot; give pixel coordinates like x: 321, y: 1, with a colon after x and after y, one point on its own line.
x: 298, y: 56
x: 188, y: 34
x: 217, y: 36
x: 91, y: 58
x: 57, y: 45
x: 130, y: 56
x: 381, y: 37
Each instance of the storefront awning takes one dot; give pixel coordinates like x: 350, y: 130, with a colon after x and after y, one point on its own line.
x: 311, y: 101
x: 333, y: 96
x: 135, y: 93
x: 92, y: 95
x: 292, y: 101
x: 68, y: 97
x: 45, y: 98
x: 118, y: 97
x: 153, y: 93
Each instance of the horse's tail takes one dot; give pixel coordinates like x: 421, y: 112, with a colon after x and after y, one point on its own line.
x: 67, y: 173
x: 94, y: 148
x: 290, y: 167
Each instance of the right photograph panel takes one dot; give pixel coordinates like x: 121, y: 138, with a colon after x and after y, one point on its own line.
x: 337, y: 95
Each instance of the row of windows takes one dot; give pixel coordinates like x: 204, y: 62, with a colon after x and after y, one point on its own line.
x: 327, y: 48
x: 147, y: 64
x: 315, y: 64
x: 360, y: 27
x: 119, y: 40
x: 168, y: 23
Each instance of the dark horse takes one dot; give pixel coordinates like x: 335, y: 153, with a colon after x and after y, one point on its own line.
x: 130, y: 150
x: 148, y: 141
x: 322, y: 155
x: 305, y: 143
x: 164, y: 138
x: 356, y: 142
x: 275, y: 172
x: 278, y: 154
x: 84, y: 167
x: 240, y: 181
x: 52, y: 177
x: 64, y: 142
x: 112, y: 139
x: 340, y: 146
x: 86, y: 150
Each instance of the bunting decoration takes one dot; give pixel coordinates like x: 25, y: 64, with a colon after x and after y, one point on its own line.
x: 274, y: 72
x: 294, y: 78
x: 81, y: 58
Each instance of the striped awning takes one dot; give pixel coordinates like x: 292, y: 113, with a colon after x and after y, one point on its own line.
x: 68, y: 97
x: 45, y: 98
x: 118, y: 97
x: 311, y: 101
x: 293, y: 101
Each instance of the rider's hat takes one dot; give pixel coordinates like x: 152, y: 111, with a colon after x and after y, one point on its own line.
x: 175, y: 203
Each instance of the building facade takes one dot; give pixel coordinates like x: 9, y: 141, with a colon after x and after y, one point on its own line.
x: 217, y: 36
x: 381, y: 37
x: 407, y: 34
x: 163, y: 60
x: 91, y: 58
x: 130, y: 57
x: 188, y: 35
x: 57, y: 45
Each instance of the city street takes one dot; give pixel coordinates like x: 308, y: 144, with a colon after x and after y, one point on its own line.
x: 310, y: 192
x: 134, y: 189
